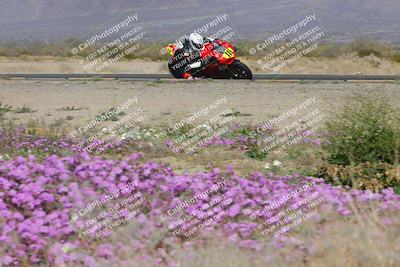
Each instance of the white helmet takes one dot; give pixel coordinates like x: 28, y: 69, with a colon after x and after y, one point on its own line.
x: 196, y: 41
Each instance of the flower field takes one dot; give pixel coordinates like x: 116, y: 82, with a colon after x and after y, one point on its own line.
x: 46, y: 181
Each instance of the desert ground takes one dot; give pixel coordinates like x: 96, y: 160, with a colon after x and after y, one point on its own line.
x: 71, y: 104
x: 343, y: 64
x: 167, y: 101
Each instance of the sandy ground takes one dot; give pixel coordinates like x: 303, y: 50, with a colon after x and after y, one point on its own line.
x: 62, y: 65
x: 170, y: 101
x: 345, y: 64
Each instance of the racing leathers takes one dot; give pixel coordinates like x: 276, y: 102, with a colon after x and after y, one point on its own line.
x: 189, y: 59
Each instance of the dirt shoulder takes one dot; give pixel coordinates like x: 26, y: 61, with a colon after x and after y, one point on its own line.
x: 344, y: 64
x: 165, y: 102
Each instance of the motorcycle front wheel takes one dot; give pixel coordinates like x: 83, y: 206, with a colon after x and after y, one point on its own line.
x: 238, y: 70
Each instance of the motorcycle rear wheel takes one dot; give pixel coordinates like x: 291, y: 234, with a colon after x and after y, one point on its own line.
x: 238, y: 70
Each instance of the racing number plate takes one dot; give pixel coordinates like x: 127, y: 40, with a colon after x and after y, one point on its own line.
x: 170, y: 51
x: 228, y: 53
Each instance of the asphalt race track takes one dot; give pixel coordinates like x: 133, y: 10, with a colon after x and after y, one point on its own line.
x: 257, y: 76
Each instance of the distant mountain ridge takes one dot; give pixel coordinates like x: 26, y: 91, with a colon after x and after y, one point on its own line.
x: 343, y: 20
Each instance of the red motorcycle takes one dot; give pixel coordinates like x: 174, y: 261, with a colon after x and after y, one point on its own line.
x: 220, y: 58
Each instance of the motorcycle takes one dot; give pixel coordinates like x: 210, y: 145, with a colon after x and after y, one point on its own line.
x: 221, y: 63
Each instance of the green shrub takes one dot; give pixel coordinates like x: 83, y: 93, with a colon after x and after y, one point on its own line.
x: 256, y: 152
x: 367, y: 52
x: 372, y: 176
x: 396, y: 57
x: 365, y: 46
x: 365, y: 130
x: 4, y: 109
x: 364, y: 144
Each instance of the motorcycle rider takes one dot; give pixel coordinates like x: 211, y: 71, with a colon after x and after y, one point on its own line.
x: 189, y: 50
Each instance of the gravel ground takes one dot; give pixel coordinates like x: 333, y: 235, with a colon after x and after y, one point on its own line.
x: 168, y: 101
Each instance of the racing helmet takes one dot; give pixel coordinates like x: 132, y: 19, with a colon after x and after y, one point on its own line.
x: 196, y: 41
